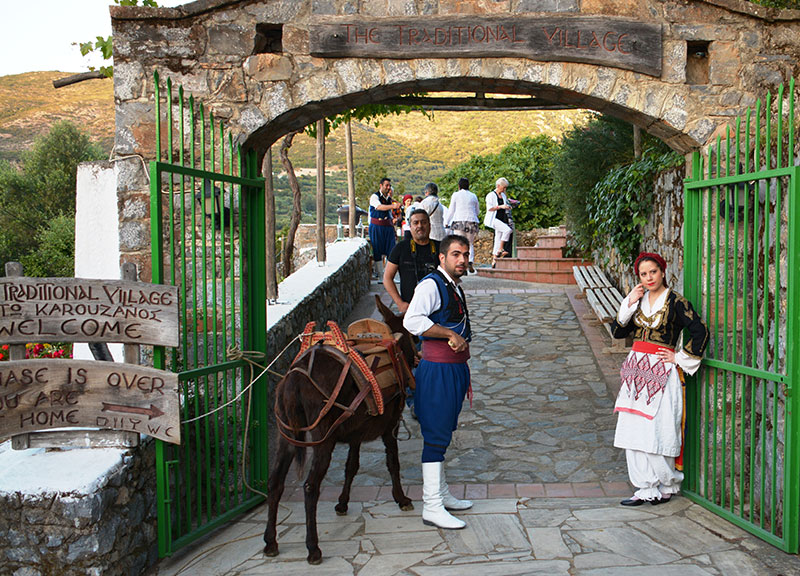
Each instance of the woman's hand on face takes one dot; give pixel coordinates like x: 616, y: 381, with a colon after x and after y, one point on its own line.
x: 635, y: 294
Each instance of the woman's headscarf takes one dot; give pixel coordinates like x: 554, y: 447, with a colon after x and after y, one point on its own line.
x: 650, y: 256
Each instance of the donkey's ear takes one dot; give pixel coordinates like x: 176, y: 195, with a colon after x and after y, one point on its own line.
x: 384, y: 309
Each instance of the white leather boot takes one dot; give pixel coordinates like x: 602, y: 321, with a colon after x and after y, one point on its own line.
x: 449, y: 501
x: 433, y: 512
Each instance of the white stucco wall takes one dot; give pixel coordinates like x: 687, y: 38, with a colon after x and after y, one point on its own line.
x: 97, y: 232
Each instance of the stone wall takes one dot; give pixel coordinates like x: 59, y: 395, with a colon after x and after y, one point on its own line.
x: 111, y: 532
x: 215, y: 50
x: 662, y: 234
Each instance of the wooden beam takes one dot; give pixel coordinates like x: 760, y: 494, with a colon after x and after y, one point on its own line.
x: 462, y: 104
x: 269, y: 192
x: 351, y: 182
x: 321, y: 255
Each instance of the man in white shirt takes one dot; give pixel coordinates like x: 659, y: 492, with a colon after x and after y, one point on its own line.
x: 438, y: 315
x: 435, y: 210
x: 463, y: 217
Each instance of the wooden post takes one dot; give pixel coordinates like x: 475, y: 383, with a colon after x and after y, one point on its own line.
x: 15, y: 351
x: 269, y: 226
x: 130, y: 351
x: 637, y: 142
x: 351, y: 179
x: 321, y: 256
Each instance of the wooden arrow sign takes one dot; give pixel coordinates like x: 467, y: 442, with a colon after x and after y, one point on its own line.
x: 46, y: 394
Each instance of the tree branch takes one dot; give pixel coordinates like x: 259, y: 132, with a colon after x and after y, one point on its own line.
x: 75, y: 78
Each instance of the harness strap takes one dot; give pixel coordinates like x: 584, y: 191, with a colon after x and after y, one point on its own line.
x: 349, y: 411
x: 330, y: 400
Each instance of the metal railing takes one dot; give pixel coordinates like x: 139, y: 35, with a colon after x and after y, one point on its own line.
x: 742, y: 257
x: 207, y: 228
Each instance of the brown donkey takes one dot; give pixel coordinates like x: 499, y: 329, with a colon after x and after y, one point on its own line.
x: 302, y: 400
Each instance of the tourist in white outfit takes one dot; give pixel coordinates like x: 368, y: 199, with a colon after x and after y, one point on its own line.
x: 435, y: 210
x: 497, y: 217
x: 464, y: 216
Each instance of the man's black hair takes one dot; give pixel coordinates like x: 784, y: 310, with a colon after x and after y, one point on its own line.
x: 385, y: 179
x: 463, y: 184
x: 444, y: 245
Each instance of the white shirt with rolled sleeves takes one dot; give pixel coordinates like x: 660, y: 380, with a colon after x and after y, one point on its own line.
x: 425, y: 302
x: 464, y: 207
x: 375, y: 200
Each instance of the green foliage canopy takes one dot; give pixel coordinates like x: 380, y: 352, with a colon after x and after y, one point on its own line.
x: 527, y: 165
x: 41, y: 190
x: 621, y: 203
x: 587, y: 153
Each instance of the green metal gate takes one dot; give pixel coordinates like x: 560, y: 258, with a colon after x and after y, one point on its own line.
x: 742, y: 259
x: 207, y: 228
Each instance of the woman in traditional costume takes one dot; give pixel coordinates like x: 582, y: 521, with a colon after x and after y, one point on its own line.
x: 650, y: 401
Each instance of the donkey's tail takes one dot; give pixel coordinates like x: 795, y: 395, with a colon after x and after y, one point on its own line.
x: 291, y: 416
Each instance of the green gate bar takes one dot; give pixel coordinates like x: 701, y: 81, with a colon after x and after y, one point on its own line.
x: 742, y: 255
x: 207, y: 237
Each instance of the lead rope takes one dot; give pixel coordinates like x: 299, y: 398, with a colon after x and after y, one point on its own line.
x: 249, y: 357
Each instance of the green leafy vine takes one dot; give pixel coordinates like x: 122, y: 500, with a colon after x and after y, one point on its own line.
x: 622, y: 201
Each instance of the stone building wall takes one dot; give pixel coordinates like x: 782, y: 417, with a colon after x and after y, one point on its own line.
x: 662, y: 234
x: 111, y: 532
x: 217, y: 50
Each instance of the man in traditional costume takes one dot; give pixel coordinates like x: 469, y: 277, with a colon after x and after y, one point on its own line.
x: 438, y: 314
x: 651, y: 399
x: 381, y: 225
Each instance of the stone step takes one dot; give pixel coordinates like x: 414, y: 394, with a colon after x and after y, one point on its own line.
x: 558, y: 241
x: 537, y: 252
x: 558, y: 277
x: 541, y: 264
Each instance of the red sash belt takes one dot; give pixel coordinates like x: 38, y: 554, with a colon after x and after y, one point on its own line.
x: 440, y: 351
x: 381, y: 221
x: 649, y: 347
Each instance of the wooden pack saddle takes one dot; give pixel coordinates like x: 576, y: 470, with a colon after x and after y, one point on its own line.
x: 376, y: 361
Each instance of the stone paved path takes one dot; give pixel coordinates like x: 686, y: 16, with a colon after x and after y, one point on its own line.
x: 535, y: 454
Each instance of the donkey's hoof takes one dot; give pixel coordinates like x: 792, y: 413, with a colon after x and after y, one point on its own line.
x: 315, y: 558
x: 271, y: 550
x: 406, y: 505
x: 341, y: 509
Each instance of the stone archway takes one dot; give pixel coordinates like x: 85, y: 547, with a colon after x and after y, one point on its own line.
x: 259, y: 66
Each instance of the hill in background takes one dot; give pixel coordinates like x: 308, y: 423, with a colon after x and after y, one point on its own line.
x: 412, y: 148
x: 29, y: 106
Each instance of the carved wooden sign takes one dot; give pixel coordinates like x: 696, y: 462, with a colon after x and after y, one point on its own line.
x: 84, y: 310
x: 46, y: 394
x: 626, y: 44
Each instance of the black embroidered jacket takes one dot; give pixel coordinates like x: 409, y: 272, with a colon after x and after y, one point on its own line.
x: 664, y: 326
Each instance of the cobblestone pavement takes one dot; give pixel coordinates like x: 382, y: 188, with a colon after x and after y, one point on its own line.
x: 535, y: 453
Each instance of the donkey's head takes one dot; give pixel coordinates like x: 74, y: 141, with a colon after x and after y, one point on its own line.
x: 395, y: 323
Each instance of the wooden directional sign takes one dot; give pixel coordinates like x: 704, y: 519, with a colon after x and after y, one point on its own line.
x: 46, y: 394
x: 84, y: 310
x: 626, y: 44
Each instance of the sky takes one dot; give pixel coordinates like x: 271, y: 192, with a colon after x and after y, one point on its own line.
x: 38, y: 34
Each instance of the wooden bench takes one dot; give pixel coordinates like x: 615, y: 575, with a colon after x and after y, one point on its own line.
x: 603, y: 298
